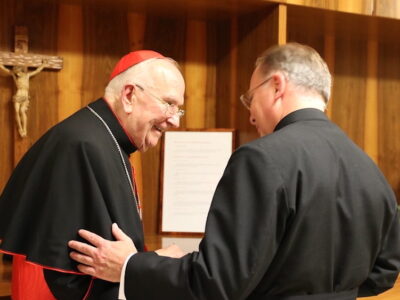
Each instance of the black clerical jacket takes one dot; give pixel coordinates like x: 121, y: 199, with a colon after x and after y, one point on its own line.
x: 73, y: 177
x: 302, y: 213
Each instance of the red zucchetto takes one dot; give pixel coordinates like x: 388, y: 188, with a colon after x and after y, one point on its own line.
x: 132, y: 59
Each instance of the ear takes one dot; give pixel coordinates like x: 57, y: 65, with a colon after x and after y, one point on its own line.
x: 128, y: 97
x: 280, y: 85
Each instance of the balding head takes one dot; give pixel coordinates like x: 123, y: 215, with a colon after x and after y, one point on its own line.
x: 144, y: 71
x: 146, y: 99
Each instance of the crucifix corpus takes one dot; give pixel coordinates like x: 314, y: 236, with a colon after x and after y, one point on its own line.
x: 23, y: 66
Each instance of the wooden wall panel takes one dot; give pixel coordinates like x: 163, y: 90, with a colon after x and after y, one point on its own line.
x: 106, y: 40
x: 297, y: 34
x: 166, y: 35
x: 136, y: 30
x: 371, y: 101
x: 199, y: 71
x: 211, y: 76
x: 226, y: 75
x: 70, y: 48
x: 151, y: 189
x: 389, y: 111
x: 196, y: 73
x: 280, y: 16
x: 348, y: 110
x: 358, y: 94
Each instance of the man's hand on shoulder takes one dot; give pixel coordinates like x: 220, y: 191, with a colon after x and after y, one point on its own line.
x: 105, y: 258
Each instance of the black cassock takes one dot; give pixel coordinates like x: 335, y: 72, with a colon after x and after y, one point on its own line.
x: 73, y: 177
x: 299, y: 214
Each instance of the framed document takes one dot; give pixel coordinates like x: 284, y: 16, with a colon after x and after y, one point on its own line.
x: 192, y: 164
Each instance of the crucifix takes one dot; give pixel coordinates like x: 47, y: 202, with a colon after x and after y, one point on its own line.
x: 20, y: 61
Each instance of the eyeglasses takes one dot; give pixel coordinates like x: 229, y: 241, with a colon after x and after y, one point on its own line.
x: 247, y: 97
x: 170, y: 109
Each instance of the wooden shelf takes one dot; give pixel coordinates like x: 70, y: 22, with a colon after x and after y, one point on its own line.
x: 379, y: 8
x: 320, y: 22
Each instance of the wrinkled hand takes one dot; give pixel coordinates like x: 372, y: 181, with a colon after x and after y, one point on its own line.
x: 172, y: 251
x: 105, y: 258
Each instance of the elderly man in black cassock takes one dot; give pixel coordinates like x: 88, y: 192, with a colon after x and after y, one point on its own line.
x: 301, y: 213
x: 78, y: 175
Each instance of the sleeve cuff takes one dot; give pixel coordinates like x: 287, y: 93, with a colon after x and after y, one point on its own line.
x: 121, y: 292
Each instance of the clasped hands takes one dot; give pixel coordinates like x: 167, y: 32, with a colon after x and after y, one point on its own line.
x: 104, y: 259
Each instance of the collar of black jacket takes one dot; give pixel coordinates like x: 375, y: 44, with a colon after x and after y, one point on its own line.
x: 101, y: 107
x: 301, y: 115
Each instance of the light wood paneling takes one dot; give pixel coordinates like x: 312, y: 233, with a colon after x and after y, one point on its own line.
x: 211, y: 77
x: 70, y: 48
x: 105, y: 41
x: 348, y: 110
x: 389, y: 110
x: 313, y: 38
x: 281, y: 12
x: 371, y: 103
x: 227, y: 72
x: 196, y: 73
x: 387, y: 8
x: 233, y: 103
x: 136, y: 30
x: 361, y: 87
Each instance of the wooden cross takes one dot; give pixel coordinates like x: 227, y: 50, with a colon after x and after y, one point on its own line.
x: 20, y: 61
x: 22, y: 58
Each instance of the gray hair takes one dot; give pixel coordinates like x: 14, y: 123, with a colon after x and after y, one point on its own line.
x: 135, y: 72
x: 302, y: 66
